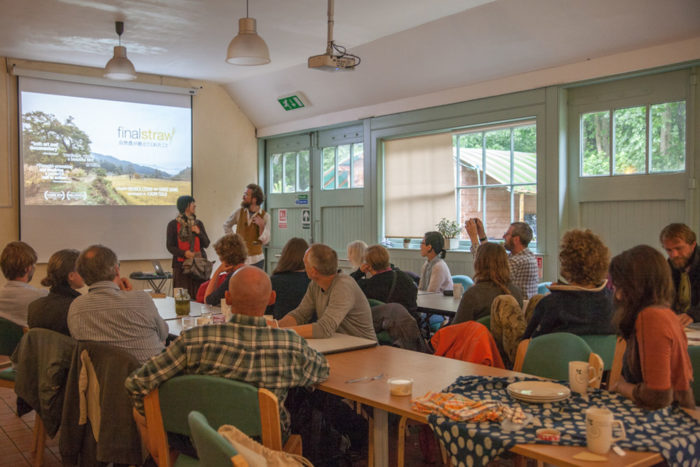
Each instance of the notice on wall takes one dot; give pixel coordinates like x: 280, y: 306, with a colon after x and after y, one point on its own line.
x: 305, y: 218
x: 282, y: 219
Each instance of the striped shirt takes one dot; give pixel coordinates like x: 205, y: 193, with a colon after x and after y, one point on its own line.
x: 128, y: 320
x: 245, y: 349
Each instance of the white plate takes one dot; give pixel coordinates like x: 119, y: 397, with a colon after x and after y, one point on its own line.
x: 537, y: 401
x: 538, y: 391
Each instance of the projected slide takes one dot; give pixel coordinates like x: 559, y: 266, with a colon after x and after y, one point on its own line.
x: 83, y: 151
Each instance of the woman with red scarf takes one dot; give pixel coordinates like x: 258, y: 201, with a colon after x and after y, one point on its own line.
x: 185, y: 237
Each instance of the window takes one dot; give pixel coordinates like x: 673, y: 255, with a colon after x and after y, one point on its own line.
x: 497, y: 177
x: 490, y: 172
x: 645, y: 139
x: 343, y: 167
x: 289, y: 172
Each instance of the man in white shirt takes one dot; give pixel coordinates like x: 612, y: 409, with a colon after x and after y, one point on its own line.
x: 18, y: 263
x: 252, y: 223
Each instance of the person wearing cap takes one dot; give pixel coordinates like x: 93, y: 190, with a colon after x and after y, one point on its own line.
x: 185, y: 237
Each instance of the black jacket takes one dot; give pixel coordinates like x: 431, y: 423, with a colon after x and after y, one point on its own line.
x: 694, y: 275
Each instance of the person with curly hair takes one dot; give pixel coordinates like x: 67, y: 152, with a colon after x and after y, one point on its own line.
x: 251, y: 222
x: 232, y: 253
x: 582, y: 304
x: 657, y: 370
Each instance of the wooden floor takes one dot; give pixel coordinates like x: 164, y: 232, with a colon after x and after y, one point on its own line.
x: 16, y: 435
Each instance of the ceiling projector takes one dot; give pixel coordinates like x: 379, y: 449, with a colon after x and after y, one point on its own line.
x: 329, y: 62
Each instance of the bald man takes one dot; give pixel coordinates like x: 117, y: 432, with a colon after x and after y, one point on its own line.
x: 336, y: 299
x: 244, y: 349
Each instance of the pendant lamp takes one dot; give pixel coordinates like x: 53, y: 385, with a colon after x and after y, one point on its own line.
x: 119, y: 67
x: 247, y: 48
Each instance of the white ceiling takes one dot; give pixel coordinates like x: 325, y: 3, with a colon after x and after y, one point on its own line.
x: 408, y: 47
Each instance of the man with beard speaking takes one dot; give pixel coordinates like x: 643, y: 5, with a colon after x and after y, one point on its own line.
x: 252, y: 223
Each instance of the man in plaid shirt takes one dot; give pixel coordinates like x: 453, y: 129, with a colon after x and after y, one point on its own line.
x: 522, y: 262
x: 244, y: 349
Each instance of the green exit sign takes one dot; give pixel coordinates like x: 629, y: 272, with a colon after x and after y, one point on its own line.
x: 295, y: 101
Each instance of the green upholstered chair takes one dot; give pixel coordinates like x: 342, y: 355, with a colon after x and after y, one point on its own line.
x: 252, y: 410
x: 383, y: 337
x: 10, y: 335
x: 604, y: 345
x: 694, y: 352
x: 486, y: 321
x: 212, y: 448
x: 549, y: 355
x: 466, y: 281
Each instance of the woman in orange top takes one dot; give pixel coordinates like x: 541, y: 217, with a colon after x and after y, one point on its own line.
x: 657, y: 369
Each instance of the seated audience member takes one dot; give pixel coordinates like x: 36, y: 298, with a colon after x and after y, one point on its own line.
x: 434, y: 275
x: 356, y: 254
x: 385, y: 284
x: 684, y: 260
x: 18, y: 263
x: 289, y: 279
x: 582, y: 305
x: 492, y: 278
x: 51, y: 312
x: 111, y: 312
x: 232, y: 255
x: 657, y: 369
x: 335, y: 297
x: 523, y: 264
x: 245, y: 349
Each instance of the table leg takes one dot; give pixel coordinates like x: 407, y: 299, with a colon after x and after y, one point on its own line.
x: 381, y: 438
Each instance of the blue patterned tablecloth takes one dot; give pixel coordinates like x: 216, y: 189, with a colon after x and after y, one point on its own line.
x: 670, y: 431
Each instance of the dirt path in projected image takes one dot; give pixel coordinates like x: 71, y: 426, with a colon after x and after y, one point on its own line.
x: 38, y: 199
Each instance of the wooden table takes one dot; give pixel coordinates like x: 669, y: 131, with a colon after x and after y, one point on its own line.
x: 166, y: 308
x: 431, y: 373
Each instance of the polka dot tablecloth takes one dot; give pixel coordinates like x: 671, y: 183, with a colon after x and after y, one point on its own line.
x: 671, y: 432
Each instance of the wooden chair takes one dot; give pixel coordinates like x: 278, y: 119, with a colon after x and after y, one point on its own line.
x: 549, y: 355
x: 618, y: 360
x: 607, y: 347
x: 212, y: 448
x: 223, y: 401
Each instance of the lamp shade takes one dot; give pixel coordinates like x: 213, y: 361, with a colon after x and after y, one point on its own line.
x: 119, y: 67
x: 247, y: 48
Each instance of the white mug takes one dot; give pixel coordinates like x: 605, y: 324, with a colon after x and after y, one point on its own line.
x: 599, y: 428
x: 581, y: 374
x: 457, y: 291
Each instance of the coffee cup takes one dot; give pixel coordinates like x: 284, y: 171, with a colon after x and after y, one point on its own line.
x: 599, y: 430
x: 581, y: 375
x: 457, y: 291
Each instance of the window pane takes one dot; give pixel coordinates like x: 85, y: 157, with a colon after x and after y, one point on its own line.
x: 595, y: 143
x: 471, y: 204
x: 328, y: 172
x: 276, y: 173
x: 630, y: 140
x: 524, y: 155
x: 358, y: 166
x: 497, y: 166
x: 525, y: 206
x: 470, y: 159
x: 667, y: 137
x: 290, y: 172
x: 497, y: 216
x: 343, y: 175
x: 304, y: 171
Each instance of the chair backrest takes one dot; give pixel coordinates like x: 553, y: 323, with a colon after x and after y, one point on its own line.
x: 604, y: 345
x: 374, y: 302
x: 223, y: 401
x: 466, y: 281
x: 549, y: 355
x: 212, y: 448
x: 542, y: 288
x: 10, y: 335
x: 694, y: 352
x: 486, y: 321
